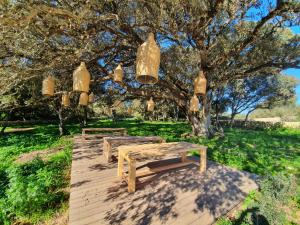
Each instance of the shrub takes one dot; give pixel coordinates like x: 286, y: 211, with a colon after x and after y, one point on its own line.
x: 266, y: 207
x: 275, y: 193
x: 34, y: 188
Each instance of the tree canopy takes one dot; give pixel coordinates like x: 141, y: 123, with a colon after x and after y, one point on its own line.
x: 227, y: 39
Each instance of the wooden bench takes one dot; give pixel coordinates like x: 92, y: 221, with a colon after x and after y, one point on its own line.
x: 109, y: 142
x: 154, y: 151
x: 104, y: 132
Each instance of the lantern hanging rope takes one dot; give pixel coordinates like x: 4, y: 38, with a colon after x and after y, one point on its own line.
x: 65, y: 99
x: 83, y: 99
x: 48, y: 86
x: 150, y: 105
x: 147, y: 62
x: 81, y: 79
x: 194, y: 104
x: 91, y: 98
x: 118, y: 74
x: 200, y: 84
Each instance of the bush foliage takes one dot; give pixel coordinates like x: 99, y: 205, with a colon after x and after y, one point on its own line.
x: 33, y: 190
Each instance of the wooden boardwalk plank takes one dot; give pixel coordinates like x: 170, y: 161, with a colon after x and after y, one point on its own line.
x: 181, y: 196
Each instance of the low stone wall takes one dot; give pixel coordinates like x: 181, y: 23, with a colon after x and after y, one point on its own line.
x: 260, y: 125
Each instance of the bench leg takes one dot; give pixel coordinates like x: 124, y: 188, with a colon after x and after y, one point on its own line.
x: 183, y: 157
x: 131, y: 175
x: 203, y: 162
x: 107, y: 151
x: 120, y: 164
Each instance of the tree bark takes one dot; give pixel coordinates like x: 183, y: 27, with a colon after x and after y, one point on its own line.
x: 232, y: 119
x: 85, y: 117
x: 2, y: 130
x: 247, y: 116
x: 61, y: 125
x: 202, y: 126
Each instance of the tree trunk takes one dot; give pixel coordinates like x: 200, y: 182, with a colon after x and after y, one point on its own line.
x: 201, y: 127
x: 247, y: 116
x: 8, y: 116
x: 176, y: 112
x: 2, y: 130
x: 232, y: 119
x: 61, y: 122
x: 85, y: 117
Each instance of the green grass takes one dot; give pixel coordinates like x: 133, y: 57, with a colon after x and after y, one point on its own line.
x: 33, y: 191
x: 260, y: 152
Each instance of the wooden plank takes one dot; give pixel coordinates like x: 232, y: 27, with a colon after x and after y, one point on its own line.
x: 184, y: 196
x: 159, y: 150
x: 109, y: 142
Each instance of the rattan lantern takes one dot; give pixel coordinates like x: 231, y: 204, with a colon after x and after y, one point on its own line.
x: 65, y: 99
x: 129, y: 111
x: 48, y: 86
x: 118, y: 74
x: 81, y: 79
x: 200, y: 84
x: 84, y: 99
x: 150, y: 105
x: 194, y: 104
x: 147, y: 62
x: 91, y: 98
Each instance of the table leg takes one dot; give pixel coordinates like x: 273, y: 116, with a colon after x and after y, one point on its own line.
x: 131, y: 175
x: 120, y: 164
x: 202, y: 154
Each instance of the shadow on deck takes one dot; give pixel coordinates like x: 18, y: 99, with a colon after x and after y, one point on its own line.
x: 181, y: 196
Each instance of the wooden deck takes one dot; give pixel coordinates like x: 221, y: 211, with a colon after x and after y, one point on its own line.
x: 181, y: 196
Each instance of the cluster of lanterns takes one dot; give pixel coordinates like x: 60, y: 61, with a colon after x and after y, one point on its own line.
x: 81, y: 83
x: 147, y: 66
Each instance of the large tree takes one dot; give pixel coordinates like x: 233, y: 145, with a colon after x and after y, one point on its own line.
x: 226, y: 39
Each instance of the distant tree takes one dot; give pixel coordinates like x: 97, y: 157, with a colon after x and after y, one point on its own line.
x: 248, y: 94
x: 287, y: 112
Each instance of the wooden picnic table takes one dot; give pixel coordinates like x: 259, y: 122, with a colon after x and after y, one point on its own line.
x: 133, y: 153
x: 109, y: 142
x: 108, y: 131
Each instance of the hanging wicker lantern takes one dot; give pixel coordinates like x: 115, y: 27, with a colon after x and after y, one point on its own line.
x: 200, y: 84
x: 48, y: 86
x: 91, y: 98
x: 147, y: 62
x: 194, y: 104
x: 118, y: 74
x: 150, y: 105
x: 65, y: 100
x: 129, y: 111
x: 81, y: 79
x: 84, y: 99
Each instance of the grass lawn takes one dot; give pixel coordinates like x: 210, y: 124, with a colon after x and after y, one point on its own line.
x: 35, y: 190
